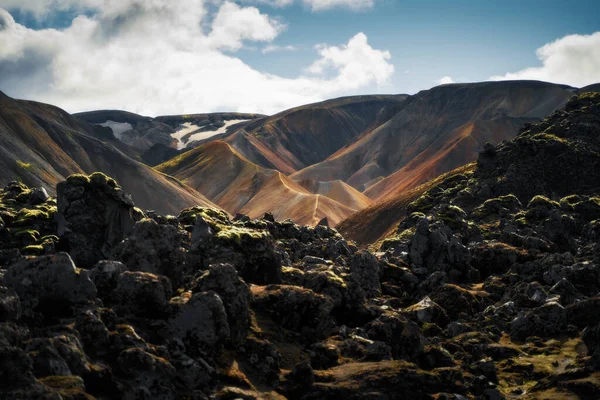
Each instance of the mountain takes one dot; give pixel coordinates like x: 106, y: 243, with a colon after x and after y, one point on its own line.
x: 41, y: 145
x: 436, y: 131
x: 155, y: 140
x: 302, y: 136
x: 554, y: 158
x: 226, y: 177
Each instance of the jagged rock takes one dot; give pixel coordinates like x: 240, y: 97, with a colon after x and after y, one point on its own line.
x: 455, y: 300
x: 16, y: 368
x: 296, y: 309
x: 94, y: 215
x: 435, y: 247
x: 50, y: 283
x: 105, y: 276
x: 324, y: 355
x: 10, y: 305
x: 549, y: 319
x: 583, y: 313
x: 364, y: 269
x: 427, y: 311
x: 155, y: 249
x: 93, y: 332
x: 223, y: 279
x: 567, y: 292
x: 142, y: 294
x: 57, y: 356
x: 264, y: 357
x: 403, y: 335
x: 201, y: 323
x: 149, y: 376
x: 435, y: 357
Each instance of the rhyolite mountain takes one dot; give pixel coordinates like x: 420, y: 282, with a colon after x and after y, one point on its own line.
x: 240, y: 186
x: 486, y: 289
x: 436, y: 131
x: 41, y: 145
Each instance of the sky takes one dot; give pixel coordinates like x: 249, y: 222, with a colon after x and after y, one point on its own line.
x: 157, y: 57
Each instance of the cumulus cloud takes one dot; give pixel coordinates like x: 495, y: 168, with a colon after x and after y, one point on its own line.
x: 356, y: 63
x: 356, y: 5
x: 446, y: 79
x: 273, y: 48
x: 161, y: 57
x: 572, y: 60
x: 319, y: 5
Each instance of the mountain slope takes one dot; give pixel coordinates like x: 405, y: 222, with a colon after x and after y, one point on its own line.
x: 338, y: 191
x: 555, y: 158
x: 239, y: 186
x: 436, y: 131
x: 302, y: 136
x: 41, y: 145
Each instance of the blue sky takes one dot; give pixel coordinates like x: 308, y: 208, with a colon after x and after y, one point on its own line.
x: 467, y: 40
x: 211, y: 55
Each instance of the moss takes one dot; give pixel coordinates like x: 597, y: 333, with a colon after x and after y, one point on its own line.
x: 48, y: 239
x: 238, y: 235
x: 63, y: 382
x: 216, y: 218
x: 27, y: 216
x: 568, y: 202
x: 502, y: 205
x: 542, y: 201
x: 548, y: 137
x: 78, y: 180
x: 422, y: 204
x: 32, y: 250
x: 29, y: 235
x: 24, y: 165
x: 453, y: 216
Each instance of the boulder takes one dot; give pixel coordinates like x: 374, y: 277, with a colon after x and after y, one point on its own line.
x: 223, y: 279
x: 154, y: 248
x: 364, y: 269
x: 10, y: 305
x: 200, y: 322
x: 105, y: 276
x: 427, y: 311
x: 50, y: 282
x: 297, y: 309
x: 547, y: 320
x: 142, y: 294
x: 94, y: 215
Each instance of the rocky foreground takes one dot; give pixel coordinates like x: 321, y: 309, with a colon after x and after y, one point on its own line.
x: 489, y: 289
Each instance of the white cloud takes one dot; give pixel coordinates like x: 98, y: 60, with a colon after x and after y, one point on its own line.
x: 162, y: 57
x: 572, y: 60
x: 234, y: 24
x: 272, y: 3
x: 356, y: 63
x: 356, y: 5
x: 446, y: 79
x: 273, y: 48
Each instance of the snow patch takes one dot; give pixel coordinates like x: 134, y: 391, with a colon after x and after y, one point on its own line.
x: 117, y: 127
x: 188, y: 127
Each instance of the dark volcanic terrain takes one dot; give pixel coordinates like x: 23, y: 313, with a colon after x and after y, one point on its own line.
x: 486, y: 288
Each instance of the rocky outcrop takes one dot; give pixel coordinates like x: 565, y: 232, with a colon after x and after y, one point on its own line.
x: 94, y: 215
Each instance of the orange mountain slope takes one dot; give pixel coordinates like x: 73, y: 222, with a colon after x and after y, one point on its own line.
x: 435, y: 131
x: 42, y: 144
x: 240, y: 186
x: 302, y: 136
